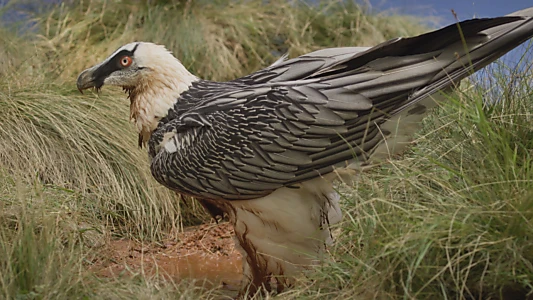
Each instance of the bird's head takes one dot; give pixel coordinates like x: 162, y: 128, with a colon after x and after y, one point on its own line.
x: 132, y: 66
x: 153, y: 77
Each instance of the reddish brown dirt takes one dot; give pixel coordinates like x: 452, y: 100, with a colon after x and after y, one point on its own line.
x: 205, y: 253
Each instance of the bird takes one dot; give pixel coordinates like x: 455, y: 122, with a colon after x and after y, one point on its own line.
x: 265, y: 150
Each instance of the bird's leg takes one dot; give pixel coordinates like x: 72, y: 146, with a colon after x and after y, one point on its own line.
x: 255, y: 276
x: 282, y: 234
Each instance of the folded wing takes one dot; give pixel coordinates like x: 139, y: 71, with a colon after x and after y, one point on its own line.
x: 300, y: 118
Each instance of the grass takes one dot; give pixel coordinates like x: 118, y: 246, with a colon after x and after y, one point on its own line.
x: 47, y: 246
x: 451, y: 219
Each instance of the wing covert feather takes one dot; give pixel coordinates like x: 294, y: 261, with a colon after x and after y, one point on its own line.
x: 300, y: 118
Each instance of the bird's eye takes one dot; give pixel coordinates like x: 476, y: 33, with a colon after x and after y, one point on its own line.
x: 126, y: 61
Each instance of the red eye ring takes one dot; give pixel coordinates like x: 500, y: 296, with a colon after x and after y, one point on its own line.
x: 126, y: 61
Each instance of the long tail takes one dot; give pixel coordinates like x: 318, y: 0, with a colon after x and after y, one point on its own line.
x: 415, y: 69
x: 477, y: 43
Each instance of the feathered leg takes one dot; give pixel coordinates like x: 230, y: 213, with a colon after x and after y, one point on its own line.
x: 283, y: 233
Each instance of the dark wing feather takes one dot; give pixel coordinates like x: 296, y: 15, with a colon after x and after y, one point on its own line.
x: 299, y: 118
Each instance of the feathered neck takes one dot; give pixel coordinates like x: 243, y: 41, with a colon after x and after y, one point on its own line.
x: 156, y: 93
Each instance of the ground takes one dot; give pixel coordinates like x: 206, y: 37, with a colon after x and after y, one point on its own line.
x: 205, y: 253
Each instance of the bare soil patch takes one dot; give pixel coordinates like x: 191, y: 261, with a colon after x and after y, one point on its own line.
x: 205, y: 253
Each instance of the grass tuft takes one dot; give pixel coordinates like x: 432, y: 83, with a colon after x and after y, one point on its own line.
x: 451, y: 219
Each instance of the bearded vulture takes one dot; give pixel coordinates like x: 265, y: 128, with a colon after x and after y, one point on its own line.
x: 264, y: 149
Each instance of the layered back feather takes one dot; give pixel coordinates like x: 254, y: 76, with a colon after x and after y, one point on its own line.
x: 301, y: 118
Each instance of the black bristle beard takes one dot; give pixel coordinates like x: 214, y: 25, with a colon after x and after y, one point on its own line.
x: 128, y: 90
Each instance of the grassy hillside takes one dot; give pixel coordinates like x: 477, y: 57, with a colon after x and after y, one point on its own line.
x: 450, y: 219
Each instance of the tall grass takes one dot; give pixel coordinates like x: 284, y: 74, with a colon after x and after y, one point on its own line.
x: 218, y: 40
x: 51, y: 133
x: 86, y: 145
x: 451, y: 219
x: 38, y: 234
x: 47, y: 248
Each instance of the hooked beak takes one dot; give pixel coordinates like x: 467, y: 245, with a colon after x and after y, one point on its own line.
x: 86, y: 80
